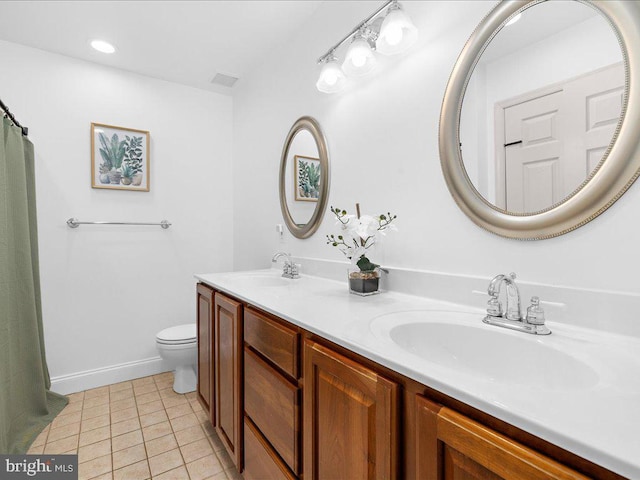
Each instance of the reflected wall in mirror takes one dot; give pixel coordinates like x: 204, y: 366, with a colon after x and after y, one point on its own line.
x: 304, y: 177
x: 542, y: 106
x: 538, y: 138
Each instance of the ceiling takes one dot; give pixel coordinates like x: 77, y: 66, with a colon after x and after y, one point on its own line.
x: 186, y: 42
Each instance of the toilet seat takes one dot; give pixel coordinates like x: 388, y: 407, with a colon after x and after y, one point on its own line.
x: 178, y: 335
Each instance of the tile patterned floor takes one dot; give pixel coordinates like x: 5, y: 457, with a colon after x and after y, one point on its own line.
x: 138, y: 430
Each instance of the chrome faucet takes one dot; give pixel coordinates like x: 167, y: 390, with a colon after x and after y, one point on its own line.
x: 289, y: 269
x: 532, y: 322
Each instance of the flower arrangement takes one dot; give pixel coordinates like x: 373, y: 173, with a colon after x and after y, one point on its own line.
x: 359, y: 234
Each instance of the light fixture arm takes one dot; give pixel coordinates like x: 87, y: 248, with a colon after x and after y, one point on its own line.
x: 361, y: 25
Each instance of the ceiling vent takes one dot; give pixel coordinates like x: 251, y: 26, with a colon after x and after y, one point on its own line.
x: 224, y: 80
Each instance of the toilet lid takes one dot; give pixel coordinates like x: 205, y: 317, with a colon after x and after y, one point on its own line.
x: 178, y: 334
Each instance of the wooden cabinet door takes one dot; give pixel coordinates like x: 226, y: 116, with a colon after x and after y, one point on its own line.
x: 204, y: 299
x: 350, y: 419
x: 228, y: 374
x: 471, y: 451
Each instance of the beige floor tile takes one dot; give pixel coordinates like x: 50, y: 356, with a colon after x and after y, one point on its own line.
x: 36, y: 450
x: 195, y: 450
x: 123, y: 404
x: 121, y: 395
x: 104, y: 476
x: 165, y: 462
x: 168, y: 392
x: 208, y: 429
x: 179, y: 410
x: 204, y: 467
x: 174, y: 401
x: 215, y: 442
x: 62, y: 420
x: 42, y: 437
x: 141, y: 381
x: 146, y: 388
x: 96, y: 435
x: 191, y: 395
x: 95, y: 422
x: 127, y: 426
x: 77, y: 397
x: 161, y: 445
x: 116, y: 387
x: 96, y: 392
x: 150, y: 407
x: 186, y: 421
x: 232, y: 474
x: 95, y: 467
x: 137, y: 471
x: 125, y: 414
x: 71, y: 408
x: 153, y: 418
x: 189, y: 435
x: 155, y: 431
x: 194, y: 404
x: 130, y: 455
x: 127, y: 440
x: 179, y: 473
x: 63, y: 432
x: 202, y: 416
x: 221, y: 476
x: 163, y: 376
x: 95, y: 450
x: 95, y: 401
x: 88, y: 413
x: 147, y: 397
x: 61, y: 446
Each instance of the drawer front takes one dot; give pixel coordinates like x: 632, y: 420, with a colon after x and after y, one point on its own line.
x: 273, y: 340
x: 260, y: 463
x: 272, y: 403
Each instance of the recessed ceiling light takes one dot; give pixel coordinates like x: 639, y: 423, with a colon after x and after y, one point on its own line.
x: 102, y: 46
x: 514, y: 19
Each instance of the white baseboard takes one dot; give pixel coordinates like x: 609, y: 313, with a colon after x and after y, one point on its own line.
x: 79, y: 381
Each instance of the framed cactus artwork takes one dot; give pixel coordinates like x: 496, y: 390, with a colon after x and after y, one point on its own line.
x: 119, y: 158
x: 306, y: 178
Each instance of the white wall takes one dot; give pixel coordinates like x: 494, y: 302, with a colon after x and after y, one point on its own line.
x: 383, y: 145
x: 107, y: 290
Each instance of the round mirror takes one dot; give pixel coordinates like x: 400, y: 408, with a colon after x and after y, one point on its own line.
x: 304, y: 177
x: 537, y: 129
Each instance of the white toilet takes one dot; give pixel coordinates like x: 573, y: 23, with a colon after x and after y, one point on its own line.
x: 178, y: 346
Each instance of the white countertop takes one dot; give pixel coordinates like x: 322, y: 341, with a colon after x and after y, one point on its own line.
x: 599, y: 421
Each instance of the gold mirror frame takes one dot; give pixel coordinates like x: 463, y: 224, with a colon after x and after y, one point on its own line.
x: 616, y: 172
x: 312, y: 126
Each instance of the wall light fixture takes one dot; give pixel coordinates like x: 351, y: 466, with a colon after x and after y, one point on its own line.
x: 390, y: 34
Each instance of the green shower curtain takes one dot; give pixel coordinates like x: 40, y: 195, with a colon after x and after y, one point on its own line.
x: 26, y: 404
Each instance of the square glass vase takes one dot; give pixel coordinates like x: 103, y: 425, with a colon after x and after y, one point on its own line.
x: 364, y: 283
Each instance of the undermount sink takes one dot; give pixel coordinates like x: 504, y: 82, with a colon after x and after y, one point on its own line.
x: 460, y: 341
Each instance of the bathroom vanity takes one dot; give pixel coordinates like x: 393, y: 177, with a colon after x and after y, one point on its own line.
x: 301, y: 380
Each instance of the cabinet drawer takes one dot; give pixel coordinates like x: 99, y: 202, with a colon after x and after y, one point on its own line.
x: 260, y: 463
x: 272, y: 403
x: 273, y: 340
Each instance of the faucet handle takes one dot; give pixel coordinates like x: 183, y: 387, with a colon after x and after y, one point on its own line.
x: 535, y: 313
x: 494, y: 307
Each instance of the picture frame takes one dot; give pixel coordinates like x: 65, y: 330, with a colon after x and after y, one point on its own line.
x: 306, y: 178
x: 119, y: 158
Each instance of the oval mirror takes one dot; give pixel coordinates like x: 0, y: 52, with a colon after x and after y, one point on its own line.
x: 537, y: 129
x: 304, y: 177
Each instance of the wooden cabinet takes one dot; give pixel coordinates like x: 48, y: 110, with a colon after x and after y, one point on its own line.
x: 288, y: 404
x: 451, y: 446
x: 350, y: 418
x: 272, y: 398
x: 204, y: 302
x: 228, y: 375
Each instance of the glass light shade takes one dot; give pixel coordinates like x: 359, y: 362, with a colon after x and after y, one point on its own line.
x: 397, y: 33
x: 359, y: 59
x: 331, y: 78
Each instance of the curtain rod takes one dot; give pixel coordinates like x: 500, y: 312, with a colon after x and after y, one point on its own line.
x: 5, y: 109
